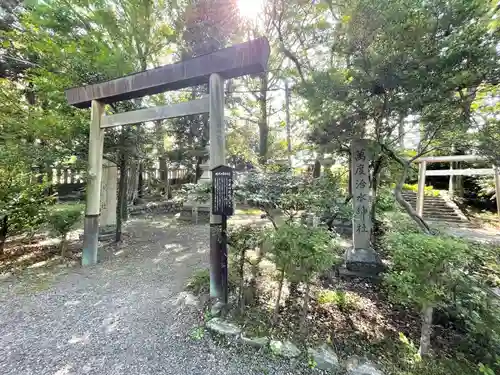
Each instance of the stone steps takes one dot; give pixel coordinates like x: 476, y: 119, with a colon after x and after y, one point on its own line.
x: 435, y: 208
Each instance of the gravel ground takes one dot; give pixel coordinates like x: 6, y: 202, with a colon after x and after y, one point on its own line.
x: 122, y: 316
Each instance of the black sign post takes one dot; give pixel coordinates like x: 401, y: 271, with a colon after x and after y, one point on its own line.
x: 222, y: 204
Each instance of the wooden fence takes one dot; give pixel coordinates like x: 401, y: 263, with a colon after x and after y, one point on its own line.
x: 70, y: 183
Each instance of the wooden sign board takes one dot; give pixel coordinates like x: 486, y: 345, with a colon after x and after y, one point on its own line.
x: 222, y: 191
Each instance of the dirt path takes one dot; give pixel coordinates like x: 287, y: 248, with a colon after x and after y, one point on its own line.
x: 123, y: 316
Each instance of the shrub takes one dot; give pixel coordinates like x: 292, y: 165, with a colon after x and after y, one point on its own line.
x: 289, y: 194
x: 425, y: 270
x: 241, y: 239
x: 345, y: 301
x: 62, y: 220
x: 199, y: 282
x: 385, y: 200
x: 199, y: 192
x: 23, y: 203
x: 428, y: 190
x: 300, y: 253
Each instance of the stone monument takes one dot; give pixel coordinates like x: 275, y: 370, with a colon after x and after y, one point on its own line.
x: 109, y: 182
x: 361, y: 258
x: 193, y: 210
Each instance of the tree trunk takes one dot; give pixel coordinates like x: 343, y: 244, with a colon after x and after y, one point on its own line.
x: 3, y: 232
x: 425, y: 334
x: 132, y: 182
x: 140, y: 180
x: 317, y: 169
x: 63, y: 246
x: 162, y: 160
x: 242, y: 281
x: 278, y: 298
x: 305, y: 308
x: 263, y: 126
x: 164, y: 177
x: 121, y: 207
x: 198, y: 171
x: 293, y: 294
x: 377, y: 169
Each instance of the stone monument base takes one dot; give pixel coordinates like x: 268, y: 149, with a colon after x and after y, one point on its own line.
x: 363, y: 261
x: 189, y: 212
x: 107, y: 233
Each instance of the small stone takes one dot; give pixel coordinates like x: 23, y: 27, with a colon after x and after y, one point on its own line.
x: 361, y: 366
x: 5, y: 276
x: 325, y: 358
x: 187, y: 299
x: 256, y: 342
x: 216, y: 309
x: 222, y: 327
x: 284, y: 349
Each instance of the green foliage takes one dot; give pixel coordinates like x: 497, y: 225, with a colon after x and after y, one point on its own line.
x: 424, y: 268
x: 487, y: 107
x: 268, y: 191
x: 487, y: 187
x: 23, y: 201
x: 197, y: 333
x: 326, y: 197
x: 245, y: 237
x: 452, y: 274
x: 63, y: 219
x: 477, y: 306
x: 381, y: 40
x: 385, y: 200
x: 199, y: 282
x: 396, y: 222
x: 428, y: 189
x: 345, y: 301
x: 302, y: 252
x: 199, y: 192
x: 289, y: 194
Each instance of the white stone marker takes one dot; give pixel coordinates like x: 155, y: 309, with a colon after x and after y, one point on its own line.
x: 108, y: 194
x: 361, y: 195
x: 361, y: 257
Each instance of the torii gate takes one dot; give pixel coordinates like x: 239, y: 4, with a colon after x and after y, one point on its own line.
x: 423, y: 172
x: 242, y: 59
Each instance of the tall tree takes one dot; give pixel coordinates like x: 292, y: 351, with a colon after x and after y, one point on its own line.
x: 391, y: 58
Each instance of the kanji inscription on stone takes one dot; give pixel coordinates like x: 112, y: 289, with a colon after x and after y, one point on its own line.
x: 222, y: 191
x: 360, y: 184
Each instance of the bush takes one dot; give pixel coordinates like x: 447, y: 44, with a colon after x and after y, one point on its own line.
x: 199, y: 192
x: 23, y: 203
x: 425, y: 270
x: 199, y: 282
x: 289, y: 194
x: 428, y: 190
x: 241, y: 239
x: 346, y: 302
x: 62, y: 220
x: 385, y: 200
x: 463, y: 291
x: 300, y: 253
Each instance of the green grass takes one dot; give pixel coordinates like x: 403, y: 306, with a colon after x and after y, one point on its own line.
x: 249, y: 211
x: 68, y: 205
x: 199, y: 282
x: 345, y: 301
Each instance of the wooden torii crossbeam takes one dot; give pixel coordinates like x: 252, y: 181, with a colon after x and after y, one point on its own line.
x: 241, y: 59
